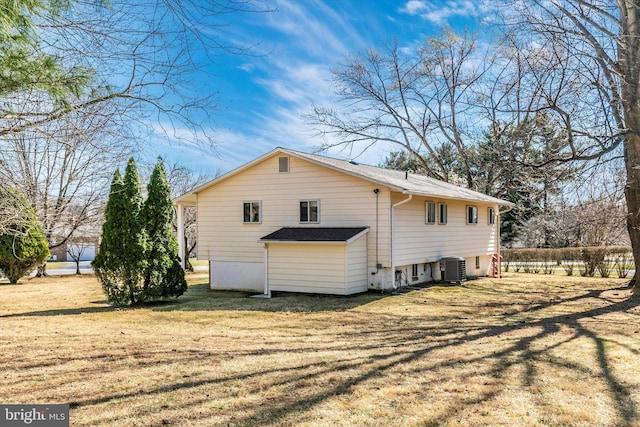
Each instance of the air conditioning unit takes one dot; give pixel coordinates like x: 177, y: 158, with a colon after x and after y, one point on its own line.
x: 453, y: 269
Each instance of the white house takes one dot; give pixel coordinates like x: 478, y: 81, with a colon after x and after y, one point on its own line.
x: 292, y: 221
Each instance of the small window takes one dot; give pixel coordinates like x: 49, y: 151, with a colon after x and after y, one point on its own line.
x: 309, y: 211
x: 477, y: 263
x: 491, y: 216
x: 442, y: 207
x: 283, y: 164
x: 431, y: 213
x: 472, y: 214
x: 251, y: 212
x: 414, y: 271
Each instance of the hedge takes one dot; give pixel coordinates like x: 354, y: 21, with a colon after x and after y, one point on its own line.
x: 604, y: 260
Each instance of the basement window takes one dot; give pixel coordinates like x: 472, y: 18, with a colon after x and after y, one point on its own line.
x: 252, y: 212
x: 310, y: 211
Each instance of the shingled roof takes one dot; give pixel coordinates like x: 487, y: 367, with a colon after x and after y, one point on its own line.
x: 314, y: 234
x: 408, y: 183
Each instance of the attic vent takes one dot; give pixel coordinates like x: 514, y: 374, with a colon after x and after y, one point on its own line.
x: 283, y: 164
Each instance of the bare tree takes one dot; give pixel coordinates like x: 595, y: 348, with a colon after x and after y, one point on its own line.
x: 63, y: 168
x: 76, y: 252
x: 453, y: 107
x: 143, y: 54
x: 121, y: 73
x: 589, y: 80
x: 418, y: 102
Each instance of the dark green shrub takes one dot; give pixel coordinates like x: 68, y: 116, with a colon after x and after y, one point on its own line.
x: 25, y: 246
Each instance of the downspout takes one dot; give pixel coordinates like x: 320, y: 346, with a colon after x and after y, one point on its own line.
x: 393, y: 263
x: 376, y: 191
x: 267, y: 292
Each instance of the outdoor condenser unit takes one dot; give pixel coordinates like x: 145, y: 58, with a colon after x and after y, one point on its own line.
x: 453, y: 269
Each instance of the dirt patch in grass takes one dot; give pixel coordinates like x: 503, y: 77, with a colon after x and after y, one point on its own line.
x: 522, y: 350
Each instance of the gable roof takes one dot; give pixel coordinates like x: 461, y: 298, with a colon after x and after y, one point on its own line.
x: 315, y: 234
x: 407, y: 183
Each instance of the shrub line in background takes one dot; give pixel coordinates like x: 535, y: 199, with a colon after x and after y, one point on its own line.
x: 587, y: 261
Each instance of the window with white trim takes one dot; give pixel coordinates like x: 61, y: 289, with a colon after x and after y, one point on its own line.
x: 472, y: 214
x: 491, y: 216
x: 310, y: 211
x: 252, y: 212
x: 442, y: 207
x: 430, y: 212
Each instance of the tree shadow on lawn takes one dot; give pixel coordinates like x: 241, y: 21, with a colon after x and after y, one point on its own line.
x: 407, y: 345
x: 376, y: 354
x: 64, y: 311
x: 201, y: 298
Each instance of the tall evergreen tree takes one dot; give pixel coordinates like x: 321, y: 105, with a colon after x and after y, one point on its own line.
x: 135, y: 248
x: 121, y: 261
x: 164, y: 276
x: 109, y: 262
x: 138, y: 259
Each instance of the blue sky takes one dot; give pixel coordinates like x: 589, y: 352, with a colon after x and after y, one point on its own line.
x: 262, y: 97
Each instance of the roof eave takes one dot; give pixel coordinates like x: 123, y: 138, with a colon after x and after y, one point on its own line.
x: 464, y: 199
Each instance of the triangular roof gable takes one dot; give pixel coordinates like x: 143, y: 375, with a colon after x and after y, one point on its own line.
x: 408, y: 183
x: 187, y: 196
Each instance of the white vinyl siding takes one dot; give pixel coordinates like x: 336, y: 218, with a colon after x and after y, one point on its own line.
x: 223, y: 237
x: 416, y: 244
x: 357, y: 266
x: 313, y: 268
x: 319, y: 267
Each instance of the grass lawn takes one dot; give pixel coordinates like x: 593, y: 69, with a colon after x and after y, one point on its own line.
x: 528, y: 350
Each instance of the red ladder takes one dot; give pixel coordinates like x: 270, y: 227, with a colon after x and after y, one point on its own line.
x: 496, y: 270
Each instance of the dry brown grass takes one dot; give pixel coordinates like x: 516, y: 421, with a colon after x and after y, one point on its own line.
x: 523, y: 350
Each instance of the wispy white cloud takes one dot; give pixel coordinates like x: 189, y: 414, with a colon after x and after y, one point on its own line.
x: 265, y: 94
x: 442, y: 12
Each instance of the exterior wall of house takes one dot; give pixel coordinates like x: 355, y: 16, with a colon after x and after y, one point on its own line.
x: 416, y: 242
x: 225, y: 240
x: 357, y: 266
x: 245, y: 275
x: 305, y: 267
x: 325, y: 268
